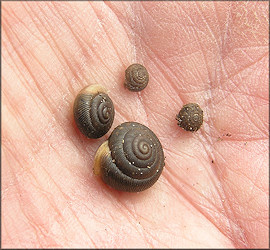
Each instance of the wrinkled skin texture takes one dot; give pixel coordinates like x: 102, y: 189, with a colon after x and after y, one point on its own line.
x: 213, y: 191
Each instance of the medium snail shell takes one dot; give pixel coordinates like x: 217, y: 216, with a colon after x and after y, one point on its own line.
x: 131, y: 160
x: 93, y: 111
x: 190, y: 117
x: 136, y: 77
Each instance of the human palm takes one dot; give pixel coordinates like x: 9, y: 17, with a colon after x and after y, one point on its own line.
x: 214, y: 189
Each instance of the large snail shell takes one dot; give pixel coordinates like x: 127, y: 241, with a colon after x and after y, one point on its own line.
x: 131, y: 160
x: 93, y: 111
x: 136, y: 77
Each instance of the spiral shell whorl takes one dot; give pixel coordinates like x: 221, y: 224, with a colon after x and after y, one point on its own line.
x: 190, y: 117
x: 136, y: 158
x: 93, y: 111
x: 136, y: 77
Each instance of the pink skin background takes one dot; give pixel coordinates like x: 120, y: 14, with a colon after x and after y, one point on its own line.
x: 214, y: 189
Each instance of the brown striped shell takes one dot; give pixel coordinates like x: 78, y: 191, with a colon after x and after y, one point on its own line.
x: 93, y: 111
x: 131, y: 160
x: 136, y: 77
x: 190, y: 117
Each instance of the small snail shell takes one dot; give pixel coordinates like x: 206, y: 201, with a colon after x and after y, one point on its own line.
x: 190, y: 117
x: 131, y: 160
x: 136, y: 77
x: 93, y: 111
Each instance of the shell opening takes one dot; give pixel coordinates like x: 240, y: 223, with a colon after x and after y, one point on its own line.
x: 103, y: 151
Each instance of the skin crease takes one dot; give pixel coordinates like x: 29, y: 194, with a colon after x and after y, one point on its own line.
x: 214, y: 189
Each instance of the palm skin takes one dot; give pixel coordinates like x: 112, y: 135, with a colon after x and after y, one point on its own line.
x: 214, y: 189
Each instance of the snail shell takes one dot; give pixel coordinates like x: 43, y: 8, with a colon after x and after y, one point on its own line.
x: 190, y: 117
x: 131, y: 160
x: 93, y: 111
x: 136, y: 77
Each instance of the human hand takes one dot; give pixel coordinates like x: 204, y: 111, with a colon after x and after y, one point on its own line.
x: 214, y: 189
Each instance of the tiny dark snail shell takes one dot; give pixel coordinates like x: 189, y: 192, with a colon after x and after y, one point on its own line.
x: 93, y: 111
x: 131, y: 160
x: 136, y: 77
x: 190, y: 117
